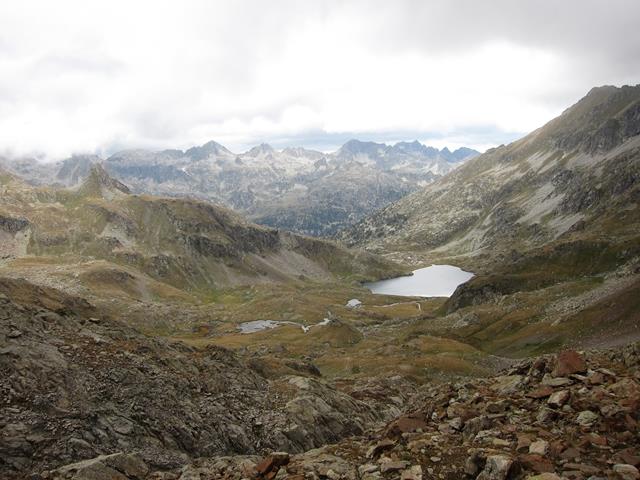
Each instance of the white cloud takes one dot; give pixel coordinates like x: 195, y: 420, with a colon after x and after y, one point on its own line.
x: 98, y: 76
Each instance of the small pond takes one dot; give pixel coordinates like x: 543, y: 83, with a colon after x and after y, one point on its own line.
x: 433, y: 281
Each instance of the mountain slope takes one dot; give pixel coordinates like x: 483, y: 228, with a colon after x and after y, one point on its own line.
x: 575, y: 177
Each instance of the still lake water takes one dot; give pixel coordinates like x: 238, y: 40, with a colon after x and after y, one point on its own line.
x: 433, y: 281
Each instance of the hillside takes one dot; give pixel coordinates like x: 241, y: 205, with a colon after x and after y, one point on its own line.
x: 187, y: 244
x: 295, y: 189
x: 549, y: 223
x: 576, y: 177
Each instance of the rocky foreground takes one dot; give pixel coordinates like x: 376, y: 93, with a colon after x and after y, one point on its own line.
x: 571, y: 416
x: 84, y: 397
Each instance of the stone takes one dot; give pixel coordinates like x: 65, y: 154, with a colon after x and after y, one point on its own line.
x: 540, y: 392
x: 536, y: 463
x: 498, y: 407
x: 507, y: 384
x: 393, y: 466
x: 539, y: 447
x: 475, y: 425
x: 474, y: 463
x: 546, y: 415
x: 524, y: 441
x: 118, y: 466
x: 625, y: 388
x: 559, y: 398
x: 407, y: 423
x: 569, y: 362
x: 626, y: 471
x: 595, y: 378
x: 413, y: 473
x: 628, y: 455
x: 496, y: 468
x: 270, y: 465
x: 587, y: 418
x: 14, y: 334
x: 368, y: 468
x: 130, y: 465
x: 545, y: 476
x: 549, y: 381
x: 380, y: 447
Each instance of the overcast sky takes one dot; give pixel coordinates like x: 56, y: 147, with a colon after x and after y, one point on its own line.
x: 99, y: 76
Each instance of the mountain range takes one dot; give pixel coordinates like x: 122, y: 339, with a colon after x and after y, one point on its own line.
x: 295, y: 189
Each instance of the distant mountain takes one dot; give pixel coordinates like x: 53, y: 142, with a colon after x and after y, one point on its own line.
x: 297, y: 189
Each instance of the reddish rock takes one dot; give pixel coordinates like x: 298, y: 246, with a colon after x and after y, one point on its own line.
x: 596, y: 378
x: 535, y: 463
x: 593, y: 439
x: 524, y: 441
x: 406, y: 424
x: 268, y: 468
x: 539, y: 365
x: 569, y: 362
x: 570, y: 453
x: 540, y: 392
x: 628, y: 455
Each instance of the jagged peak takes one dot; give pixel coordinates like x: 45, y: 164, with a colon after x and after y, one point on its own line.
x: 100, y: 184
x: 355, y: 147
x: 207, y: 150
x: 263, y: 148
